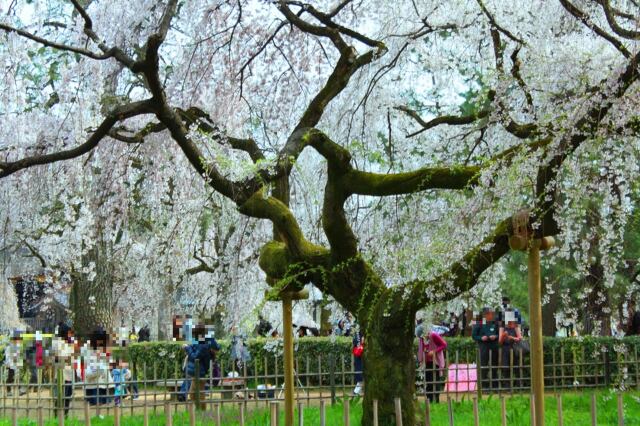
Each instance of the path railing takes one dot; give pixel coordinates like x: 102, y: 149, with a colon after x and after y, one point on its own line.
x: 41, y: 393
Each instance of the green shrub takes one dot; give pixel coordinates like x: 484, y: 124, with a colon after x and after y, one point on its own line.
x: 587, y: 360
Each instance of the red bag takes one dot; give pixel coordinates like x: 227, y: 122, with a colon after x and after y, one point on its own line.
x: 357, y: 350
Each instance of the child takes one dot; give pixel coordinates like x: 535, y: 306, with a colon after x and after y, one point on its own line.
x: 120, y: 374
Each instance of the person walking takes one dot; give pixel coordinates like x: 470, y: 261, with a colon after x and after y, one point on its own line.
x: 486, y: 335
x: 199, y: 356
x: 431, y: 347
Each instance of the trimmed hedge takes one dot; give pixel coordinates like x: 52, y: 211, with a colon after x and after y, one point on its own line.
x: 586, y: 360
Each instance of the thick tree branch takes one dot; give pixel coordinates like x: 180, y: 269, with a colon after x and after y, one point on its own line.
x: 120, y: 113
x: 613, y: 23
x: 588, y: 22
x: 381, y: 184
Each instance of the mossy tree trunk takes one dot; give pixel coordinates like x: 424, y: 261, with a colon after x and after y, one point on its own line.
x: 389, y: 361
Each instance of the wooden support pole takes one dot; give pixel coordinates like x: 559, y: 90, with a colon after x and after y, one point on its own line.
x: 503, y: 411
x: 535, y: 313
x: 288, y: 359
x: 40, y: 416
x: 116, y: 415
x: 594, y: 412
x: 300, y: 414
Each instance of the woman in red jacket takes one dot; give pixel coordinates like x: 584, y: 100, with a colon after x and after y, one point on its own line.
x: 431, y: 348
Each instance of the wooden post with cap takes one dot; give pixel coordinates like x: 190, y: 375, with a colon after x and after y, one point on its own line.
x: 523, y: 239
x: 287, y: 296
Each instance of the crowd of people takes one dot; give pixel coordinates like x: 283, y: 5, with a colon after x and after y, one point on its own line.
x: 88, y: 362
x: 500, y: 342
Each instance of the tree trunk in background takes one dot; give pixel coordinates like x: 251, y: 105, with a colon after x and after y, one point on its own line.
x: 91, y: 301
x: 549, y: 310
x: 598, y: 312
x: 164, y: 322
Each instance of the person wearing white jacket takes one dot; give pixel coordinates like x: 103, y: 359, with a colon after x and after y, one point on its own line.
x: 64, y: 351
x: 97, y: 378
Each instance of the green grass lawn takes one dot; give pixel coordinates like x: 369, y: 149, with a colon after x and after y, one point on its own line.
x: 576, y: 410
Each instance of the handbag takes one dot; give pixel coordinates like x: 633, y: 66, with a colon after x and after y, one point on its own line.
x: 522, y: 347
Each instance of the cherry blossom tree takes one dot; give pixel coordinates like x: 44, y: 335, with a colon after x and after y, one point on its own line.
x: 387, y: 143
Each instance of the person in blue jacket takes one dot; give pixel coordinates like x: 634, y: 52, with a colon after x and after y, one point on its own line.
x: 199, y: 357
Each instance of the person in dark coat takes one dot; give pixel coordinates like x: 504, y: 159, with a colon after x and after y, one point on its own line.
x: 486, y: 335
x: 358, y: 365
x: 199, y: 357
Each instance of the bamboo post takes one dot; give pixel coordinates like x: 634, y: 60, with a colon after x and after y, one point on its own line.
x: 40, y: 416
x: 323, y: 413
x: 145, y: 414
x: 218, y: 415
x: 274, y: 414
x: 450, y: 411
x: 594, y: 413
x: 375, y: 412
x: 60, y: 417
x: 241, y: 408
x: 620, y: 410
x: 476, y: 413
x: 300, y: 414
x: 87, y: 414
x: 168, y: 414
x: 560, y: 413
x: 503, y: 411
x: 116, y: 415
x: 532, y: 407
x: 398, y: 408
x: 14, y: 417
x: 427, y: 412
x: 345, y: 412
x: 192, y: 414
